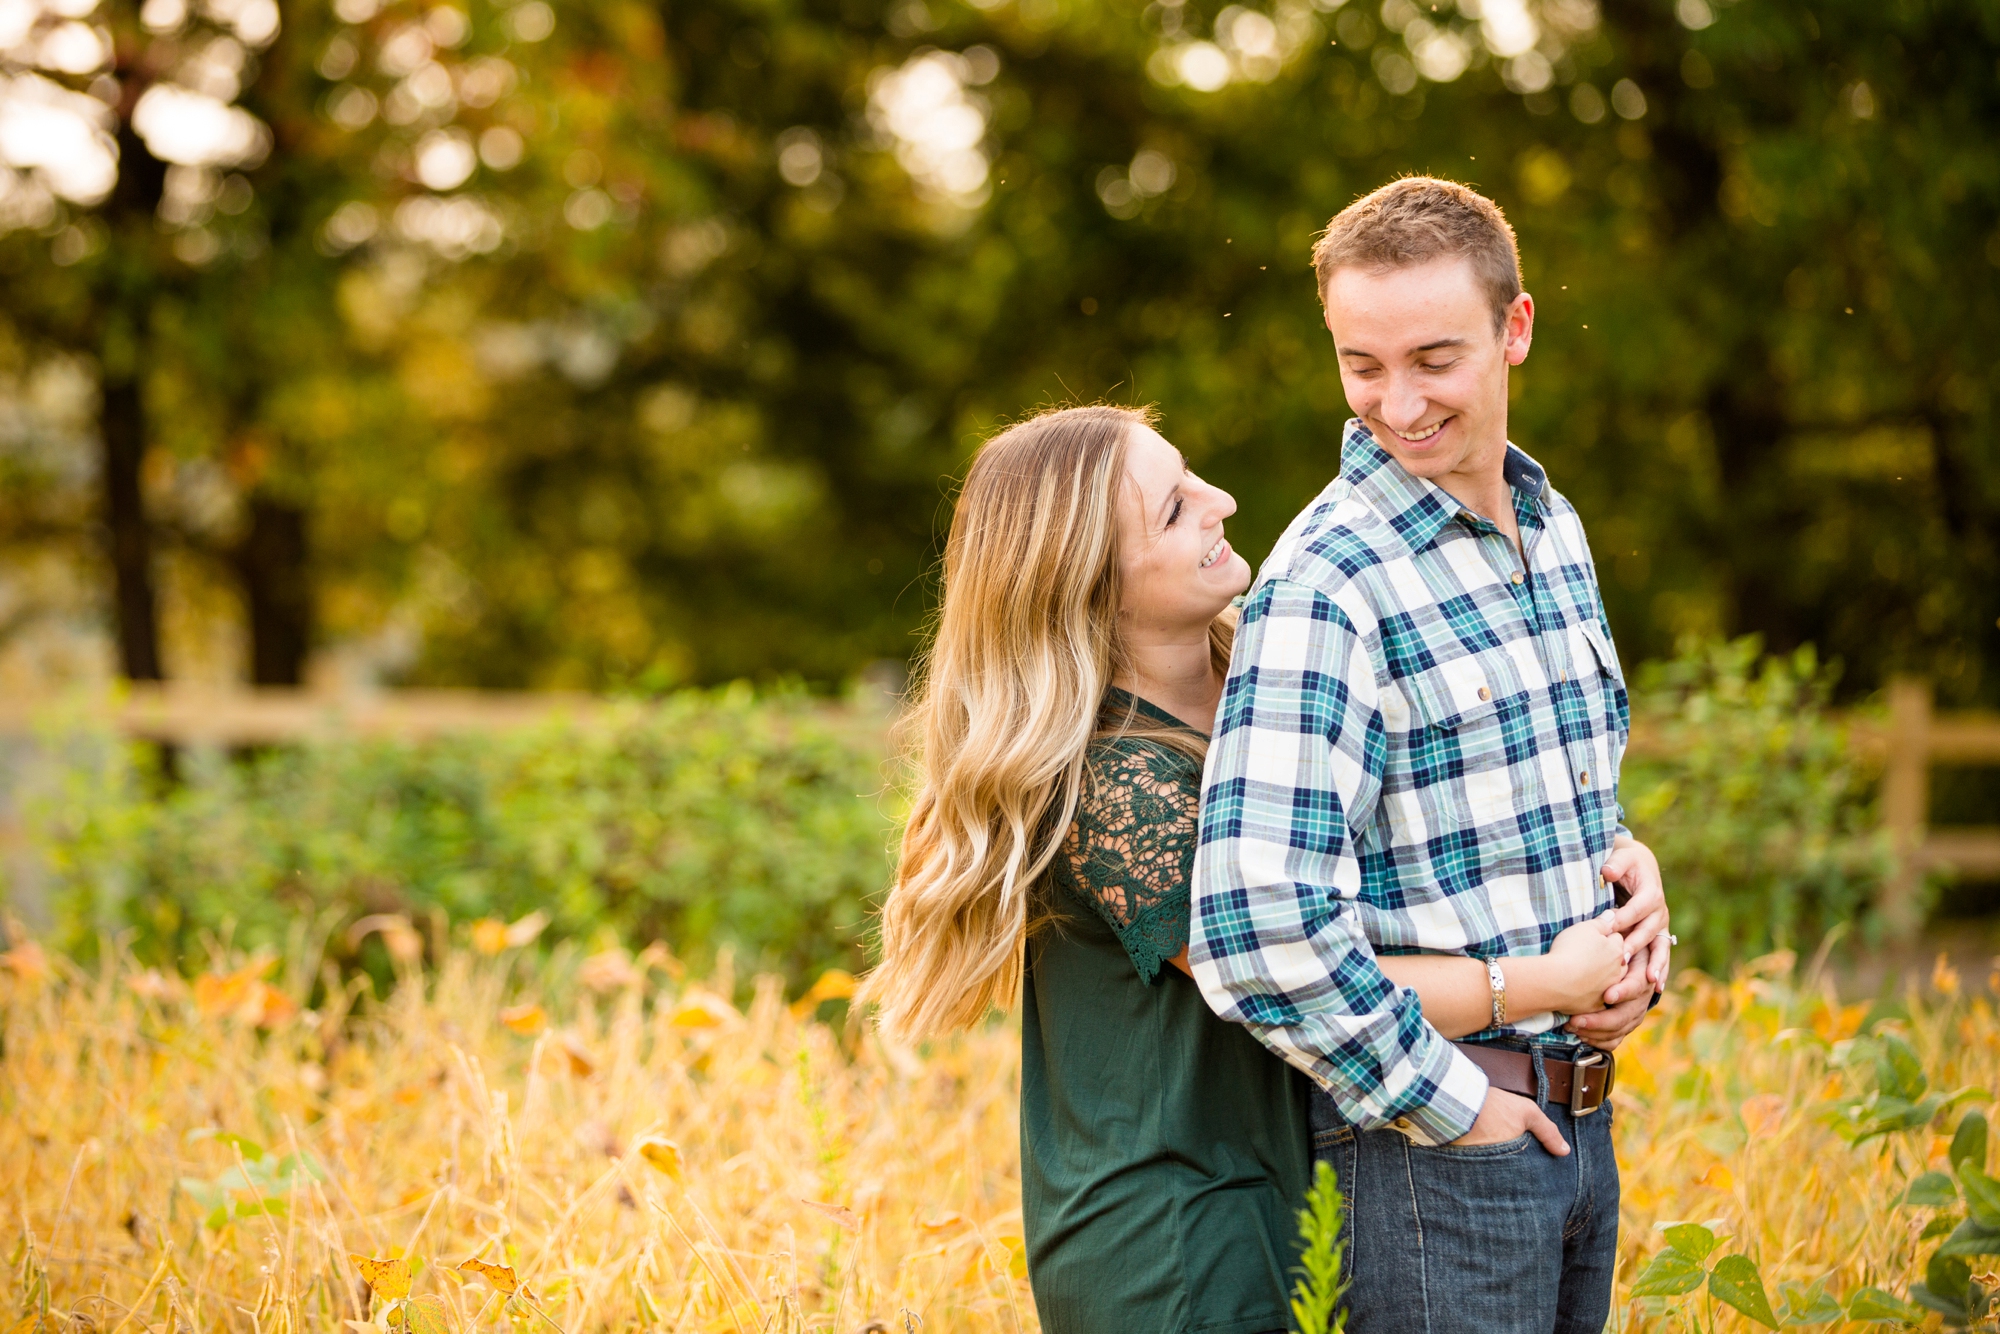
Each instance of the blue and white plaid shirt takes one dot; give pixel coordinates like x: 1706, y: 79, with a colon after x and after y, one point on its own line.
x: 1417, y: 752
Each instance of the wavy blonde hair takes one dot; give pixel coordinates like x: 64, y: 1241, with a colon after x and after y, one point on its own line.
x: 1011, y: 692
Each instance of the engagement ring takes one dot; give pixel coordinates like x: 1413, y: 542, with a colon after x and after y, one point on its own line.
x: 1673, y: 939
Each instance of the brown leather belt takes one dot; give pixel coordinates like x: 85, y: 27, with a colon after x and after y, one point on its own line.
x: 1581, y: 1085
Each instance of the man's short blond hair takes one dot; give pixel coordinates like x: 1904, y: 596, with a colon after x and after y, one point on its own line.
x: 1418, y: 219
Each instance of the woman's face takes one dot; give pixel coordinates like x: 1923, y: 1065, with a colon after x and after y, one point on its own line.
x: 1178, y: 569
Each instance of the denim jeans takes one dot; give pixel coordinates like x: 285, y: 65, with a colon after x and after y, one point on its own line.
x: 1503, y: 1238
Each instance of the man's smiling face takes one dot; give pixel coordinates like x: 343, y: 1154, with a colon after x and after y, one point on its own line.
x: 1423, y: 367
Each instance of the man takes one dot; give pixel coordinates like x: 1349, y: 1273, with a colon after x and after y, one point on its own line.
x: 1417, y: 752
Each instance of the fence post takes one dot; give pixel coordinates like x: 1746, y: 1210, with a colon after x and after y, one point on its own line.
x: 1905, y: 800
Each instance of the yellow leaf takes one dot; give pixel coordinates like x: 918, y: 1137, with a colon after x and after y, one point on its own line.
x: 663, y: 1154
x: 405, y: 946
x: 527, y: 1020
x: 1633, y: 1076
x: 608, y: 971
x: 657, y: 955
x: 269, y: 1007
x: 26, y: 961
x: 1718, y: 1177
x: 389, y: 1279
x: 500, y: 1276
x: 581, y: 1063
x: 1762, y: 1114
x: 524, y: 931
x: 833, y: 984
x: 698, y: 1009
x: 1017, y: 1253
x: 840, y: 1214
x: 489, y: 935
x: 153, y: 985
x: 231, y: 993
x: 426, y: 1315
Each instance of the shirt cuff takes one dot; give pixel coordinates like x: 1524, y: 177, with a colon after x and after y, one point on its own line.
x: 1448, y: 1113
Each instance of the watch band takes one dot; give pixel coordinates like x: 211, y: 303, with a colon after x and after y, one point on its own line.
x: 1498, y: 981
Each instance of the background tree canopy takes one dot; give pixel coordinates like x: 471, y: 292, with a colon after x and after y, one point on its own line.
x: 608, y: 342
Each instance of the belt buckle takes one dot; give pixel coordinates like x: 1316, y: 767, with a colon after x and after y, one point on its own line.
x: 1576, y: 1083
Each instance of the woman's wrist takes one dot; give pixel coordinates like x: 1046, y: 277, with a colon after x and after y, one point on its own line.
x: 1529, y: 989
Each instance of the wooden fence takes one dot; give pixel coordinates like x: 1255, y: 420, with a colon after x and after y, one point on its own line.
x: 1913, y: 740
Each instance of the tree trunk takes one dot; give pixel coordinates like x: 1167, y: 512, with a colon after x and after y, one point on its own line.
x: 271, y: 563
x: 124, y: 327
x: 128, y: 536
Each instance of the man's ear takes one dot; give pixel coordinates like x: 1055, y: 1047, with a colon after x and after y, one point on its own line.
x: 1518, y: 329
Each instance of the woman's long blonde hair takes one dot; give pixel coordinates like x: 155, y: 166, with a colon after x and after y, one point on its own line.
x: 1010, y: 695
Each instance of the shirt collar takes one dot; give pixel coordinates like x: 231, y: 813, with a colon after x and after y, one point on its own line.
x: 1417, y: 509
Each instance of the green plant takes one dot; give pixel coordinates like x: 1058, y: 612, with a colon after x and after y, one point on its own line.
x: 1316, y: 1299
x: 706, y: 820
x: 1901, y: 1102
x: 1749, y: 794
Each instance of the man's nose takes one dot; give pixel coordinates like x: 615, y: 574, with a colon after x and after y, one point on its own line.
x: 1403, y: 403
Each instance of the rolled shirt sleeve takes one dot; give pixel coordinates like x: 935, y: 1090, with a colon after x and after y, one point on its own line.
x: 1294, y: 769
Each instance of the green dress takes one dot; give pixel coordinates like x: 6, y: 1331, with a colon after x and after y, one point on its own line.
x: 1164, y: 1152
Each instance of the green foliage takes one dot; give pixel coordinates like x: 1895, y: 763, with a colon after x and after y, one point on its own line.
x: 1751, y: 798
x: 692, y: 417
x: 1947, y: 1286
x: 1901, y: 1100
x: 1316, y: 1299
x: 702, y: 820
x: 257, y: 1185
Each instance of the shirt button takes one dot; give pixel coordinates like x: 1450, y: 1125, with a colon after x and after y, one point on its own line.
x: 1517, y: 576
x: 1584, y: 778
x: 1402, y: 1123
x: 1484, y: 693
x: 1562, y: 677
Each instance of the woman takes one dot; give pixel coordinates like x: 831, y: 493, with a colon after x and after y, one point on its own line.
x: 1078, y: 660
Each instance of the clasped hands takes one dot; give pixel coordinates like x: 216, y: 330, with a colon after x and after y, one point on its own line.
x: 1645, y: 944
x: 1629, y: 945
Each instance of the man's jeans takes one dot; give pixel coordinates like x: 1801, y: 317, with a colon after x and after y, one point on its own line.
x: 1502, y: 1238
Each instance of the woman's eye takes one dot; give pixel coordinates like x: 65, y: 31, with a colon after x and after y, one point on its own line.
x: 1174, y: 514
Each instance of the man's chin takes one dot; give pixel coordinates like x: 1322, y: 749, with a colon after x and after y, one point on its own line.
x: 1431, y: 458
x: 1428, y: 464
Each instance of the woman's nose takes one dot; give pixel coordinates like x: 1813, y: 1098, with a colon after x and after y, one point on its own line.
x: 1224, y: 504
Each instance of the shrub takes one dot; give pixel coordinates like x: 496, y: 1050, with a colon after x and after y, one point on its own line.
x: 1749, y: 794
x: 763, y: 823
x: 705, y: 820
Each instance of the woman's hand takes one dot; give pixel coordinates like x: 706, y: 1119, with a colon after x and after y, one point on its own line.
x: 1583, y: 963
x: 1643, y: 919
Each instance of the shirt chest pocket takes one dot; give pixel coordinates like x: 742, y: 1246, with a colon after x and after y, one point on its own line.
x: 1468, y: 758
x: 1596, y: 710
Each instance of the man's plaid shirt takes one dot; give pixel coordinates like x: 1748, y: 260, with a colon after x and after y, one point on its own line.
x: 1417, y: 752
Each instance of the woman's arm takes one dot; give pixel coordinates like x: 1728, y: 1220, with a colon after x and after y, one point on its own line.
x: 1458, y: 997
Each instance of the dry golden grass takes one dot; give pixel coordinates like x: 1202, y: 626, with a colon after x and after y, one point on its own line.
x: 648, y: 1157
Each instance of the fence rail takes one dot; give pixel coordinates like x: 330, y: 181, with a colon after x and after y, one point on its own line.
x: 1912, y: 739
x: 266, y: 715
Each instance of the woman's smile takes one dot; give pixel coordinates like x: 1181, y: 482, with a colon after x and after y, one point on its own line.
x: 1215, y: 553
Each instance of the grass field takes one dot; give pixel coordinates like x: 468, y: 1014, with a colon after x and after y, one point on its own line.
x: 645, y: 1155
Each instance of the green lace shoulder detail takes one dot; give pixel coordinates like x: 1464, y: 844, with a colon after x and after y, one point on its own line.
x: 1130, y: 852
